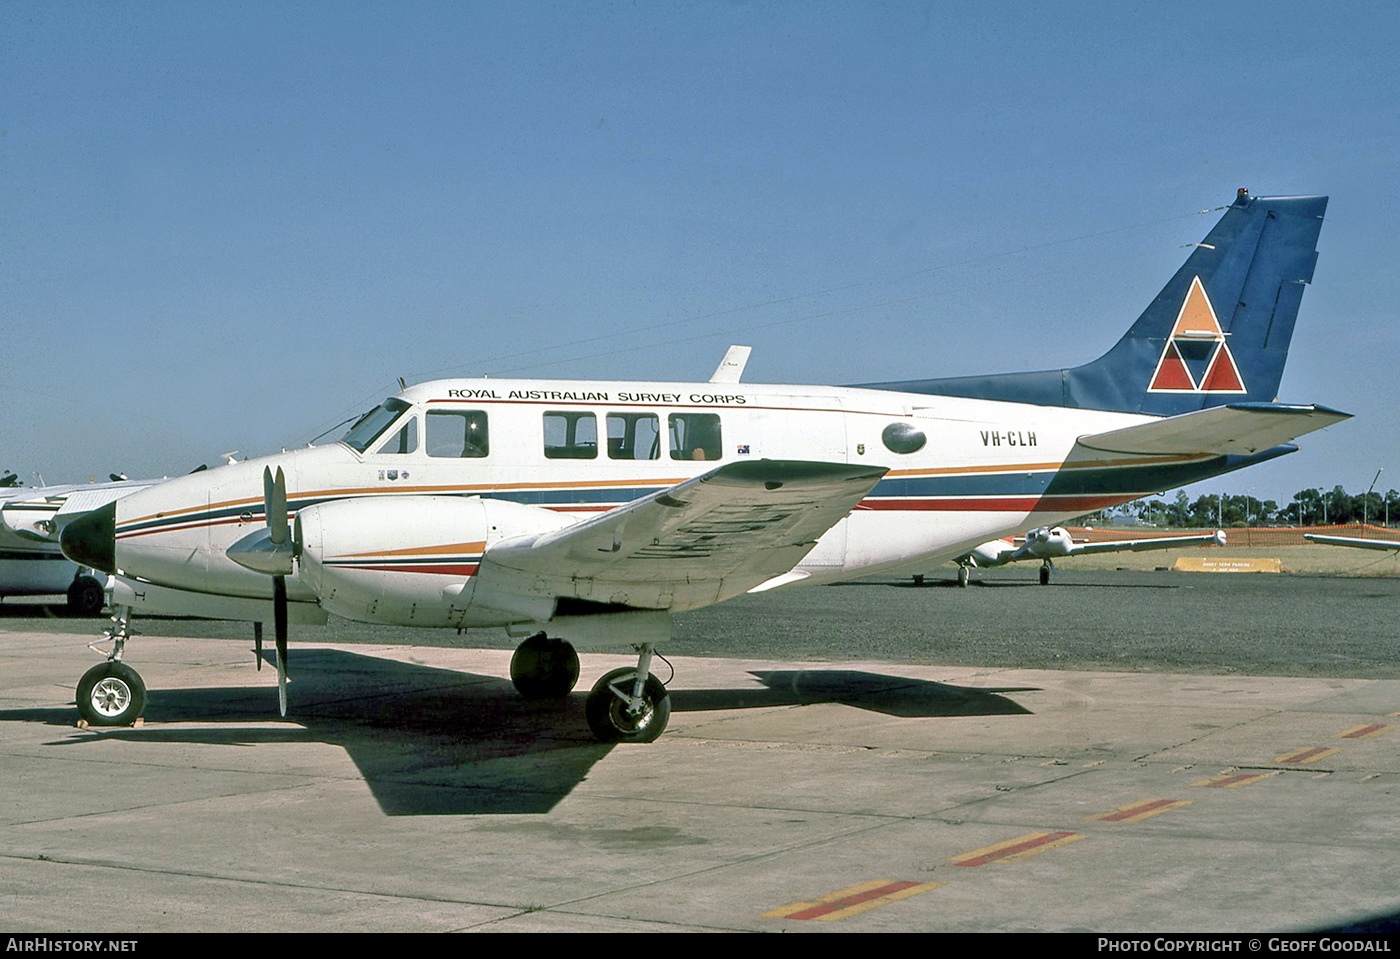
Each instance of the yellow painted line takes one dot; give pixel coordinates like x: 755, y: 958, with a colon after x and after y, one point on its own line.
x: 1233, y: 780
x: 1362, y: 732
x: 1309, y: 754
x: 852, y: 901
x: 1021, y: 847
x: 1138, y: 811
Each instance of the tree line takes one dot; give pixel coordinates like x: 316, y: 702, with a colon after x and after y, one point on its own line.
x: 1309, y: 507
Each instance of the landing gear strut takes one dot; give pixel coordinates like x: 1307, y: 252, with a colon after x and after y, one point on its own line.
x: 544, y: 668
x: 112, y: 693
x: 629, y: 705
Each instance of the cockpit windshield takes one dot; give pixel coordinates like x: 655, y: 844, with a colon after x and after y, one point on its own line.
x: 368, y: 427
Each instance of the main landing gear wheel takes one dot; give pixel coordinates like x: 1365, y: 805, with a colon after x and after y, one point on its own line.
x: 85, y: 597
x: 111, y: 694
x: 544, y: 668
x: 614, y: 717
x: 963, y: 575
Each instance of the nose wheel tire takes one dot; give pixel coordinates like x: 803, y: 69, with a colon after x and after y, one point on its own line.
x: 614, y: 718
x: 111, y: 694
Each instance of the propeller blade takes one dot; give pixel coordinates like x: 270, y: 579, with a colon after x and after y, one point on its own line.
x: 279, y: 616
x: 275, y: 504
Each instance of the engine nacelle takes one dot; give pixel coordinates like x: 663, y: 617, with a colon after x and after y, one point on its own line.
x: 412, y: 560
x: 990, y: 554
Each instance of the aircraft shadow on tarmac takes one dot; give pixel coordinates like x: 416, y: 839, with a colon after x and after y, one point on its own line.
x: 432, y: 741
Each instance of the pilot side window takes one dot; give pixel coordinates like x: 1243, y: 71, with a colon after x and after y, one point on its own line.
x: 570, y: 436
x: 694, y: 436
x: 405, y: 440
x: 368, y: 427
x: 634, y: 436
x: 457, y: 433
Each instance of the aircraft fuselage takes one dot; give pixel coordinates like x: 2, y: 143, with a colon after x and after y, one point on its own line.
x: 961, y: 471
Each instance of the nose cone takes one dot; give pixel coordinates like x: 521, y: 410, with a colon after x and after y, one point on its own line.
x: 91, y: 540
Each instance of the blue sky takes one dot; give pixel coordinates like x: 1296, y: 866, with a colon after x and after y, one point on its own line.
x: 232, y: 225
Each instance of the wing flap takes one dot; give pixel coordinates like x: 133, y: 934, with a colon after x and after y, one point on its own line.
x: 706, y: 539
x: 1240, y: 428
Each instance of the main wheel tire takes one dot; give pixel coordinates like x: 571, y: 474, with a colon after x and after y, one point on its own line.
x: 609, y: 717
x: 86, y: 597
x: 544, y: 668
x: 111, y: 694
x: 1045, y: 576
x: 963, y: 576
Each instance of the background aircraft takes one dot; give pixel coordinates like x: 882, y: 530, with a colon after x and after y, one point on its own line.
x: 31, y: 519
x: 1053, y: 542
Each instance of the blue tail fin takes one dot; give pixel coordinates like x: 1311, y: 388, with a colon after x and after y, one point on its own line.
x: 1217, y: 333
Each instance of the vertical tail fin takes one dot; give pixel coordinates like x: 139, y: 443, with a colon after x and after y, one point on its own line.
x: 1217, y: 333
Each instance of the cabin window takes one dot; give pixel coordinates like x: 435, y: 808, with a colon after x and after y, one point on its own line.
x: 457, y: 433
x: 368, y: 427
x: 634, y: 436
x: 405, y: 440
x: 695, y: 436
x: 570, y: 436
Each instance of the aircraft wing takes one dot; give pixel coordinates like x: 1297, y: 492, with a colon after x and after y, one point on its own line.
x: 1138, y: 545
x: 693, y: 544
x: 1350, y: 541
x: 1240, y: 428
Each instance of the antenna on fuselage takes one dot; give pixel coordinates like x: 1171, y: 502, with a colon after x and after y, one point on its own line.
x: 731, y: 368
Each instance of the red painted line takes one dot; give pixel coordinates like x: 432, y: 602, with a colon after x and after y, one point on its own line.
x: 1135, y: 811
x: 1305, y: 755
x: 1014, y: 850
x: 1231, y: 780
x: 825, y: 908
x: 1363, y: 731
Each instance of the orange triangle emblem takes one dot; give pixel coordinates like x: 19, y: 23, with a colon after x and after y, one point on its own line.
x: 1197, y: 317
x: 1197, y: 340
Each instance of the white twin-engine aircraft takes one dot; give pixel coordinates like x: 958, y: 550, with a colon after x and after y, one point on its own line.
x: 590, y: 512
x: 1049, y: 543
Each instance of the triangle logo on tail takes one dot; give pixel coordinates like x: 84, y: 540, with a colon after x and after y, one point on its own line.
x: 1196, y: 358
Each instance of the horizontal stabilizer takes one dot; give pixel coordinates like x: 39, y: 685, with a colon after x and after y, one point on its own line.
x: 703, y: 540
x: 1241, y: 428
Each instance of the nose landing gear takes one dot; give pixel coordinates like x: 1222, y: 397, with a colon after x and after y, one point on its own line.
x: 112, y: 693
